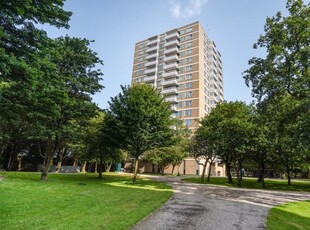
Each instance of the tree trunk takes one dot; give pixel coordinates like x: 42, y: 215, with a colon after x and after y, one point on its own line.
x: 135, y: 175
x: 263, y: 174
x: 239, y: 172
x: 173, y: 166
x: 153, y: 168
x: 288, y: 175
x: 61, y: 157
x: 96, y: 166
x: 228, y: 168
x: 209, y: 173
x: 100, y: 167
x: 107, y: 166
x: 83, y: 166
x: 75, y: 162
x: 202, y: 179
x: 48, y: 160
x: 178, y: 170
x: 19, y: 160
x: 10, y: 161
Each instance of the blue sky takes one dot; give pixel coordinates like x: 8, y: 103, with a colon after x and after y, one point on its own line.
x: 116, y: 25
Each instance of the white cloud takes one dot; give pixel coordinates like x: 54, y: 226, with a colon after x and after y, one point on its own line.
x: 194, y: 7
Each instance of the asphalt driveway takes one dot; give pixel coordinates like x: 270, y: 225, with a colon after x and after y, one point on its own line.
x: 197, y: 206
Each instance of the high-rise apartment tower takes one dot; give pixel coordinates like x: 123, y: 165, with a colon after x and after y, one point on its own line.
x: 185, y: 65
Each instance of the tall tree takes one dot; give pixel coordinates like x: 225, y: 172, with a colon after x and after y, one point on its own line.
x: 138, y: 119
x: 281, y: 82
x: 232, y: 130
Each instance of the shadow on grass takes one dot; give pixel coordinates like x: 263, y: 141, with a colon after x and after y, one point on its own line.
x: 289, y: 216
x: 251, y: 183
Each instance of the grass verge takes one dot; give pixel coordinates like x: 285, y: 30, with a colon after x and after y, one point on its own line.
x: 77, y: 201
x: 289, y: 216
x: 271, y: 184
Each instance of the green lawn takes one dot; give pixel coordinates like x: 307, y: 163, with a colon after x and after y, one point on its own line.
x: 76, y: 201
x: 271, y: 184
x: 290, y: 216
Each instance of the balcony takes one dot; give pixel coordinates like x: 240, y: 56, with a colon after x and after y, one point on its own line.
x: 171, y: 58
x: 171, y: 90
x: 151, y: 49
x: 174, y: 50
x: 172, y: 99
x: 172, y: 35
x: 171, y: 66
x: 172, y: 43
x: 152, y: 42
x: 170, y: 82
x: 151, y: 56
x: 149, y: 71
x: 149, y: 79
x: 174, y: 107
x: 170, y: 74
x: 150, y: 63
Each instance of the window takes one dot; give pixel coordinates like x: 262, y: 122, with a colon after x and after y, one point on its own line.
x: 161, y: 45
x: 180, y: 104
x: 188, y: 76
x: 140, y: 59
x: 182, y: 32
x: 180, y: 86
x: 180, y: 95
x: 139, y: 66
x: 179, y: 113
x: 188, y: 60
x: 189, y: 52
x: 160, y: 67
x: 188, y: 112
x: 189, y: 36
x: 182, y: 46
x: 188, y: 29
x: 188, y: 85
x: 189, y: 68
x: 188, y: 94
x: 142, y: 45
x: 181, y: 70
x: 188, y: 103
x: 181, y: 54
x: 140, y: 72
x: 181, y: 78
x: 182, y: 39
x: 189, y: 44
x: 188, y: 122
x: 181, y: 62
x: 141, y: 52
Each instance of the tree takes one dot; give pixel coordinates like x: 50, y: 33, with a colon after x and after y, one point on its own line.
x: 202, y: 147
x: 23, y: 61
x: 232, y: 129
x: 138, y: 119
x: 281, y: 82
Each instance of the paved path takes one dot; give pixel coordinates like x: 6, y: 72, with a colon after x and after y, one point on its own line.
x: 196, y: 206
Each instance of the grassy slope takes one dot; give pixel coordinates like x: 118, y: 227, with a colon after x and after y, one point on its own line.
x: 78, y: 201
x: 290, y: 216
x: 271, y: 184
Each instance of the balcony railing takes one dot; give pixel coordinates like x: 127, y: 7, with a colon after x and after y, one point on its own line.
x: 148, y: 71
x: 171, y: 58
x: 151, y: 56
x: 172, y: 43
x: 170, y: 74
x: 171, y: 66
x: 170, y: 82
x: 171, y: 50
x: 150, y: 63
x: 171, y: 90
x: 172, y: 99
x: 152, y: 42
x: 148, y: 79
x: 151, y: 49
x: 172, y: 35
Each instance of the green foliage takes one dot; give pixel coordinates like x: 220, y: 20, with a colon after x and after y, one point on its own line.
x: 138, y: 120
x: 289, y: 216
x: 228, y: 131
x: 281, y: 83
x: 77, y: 201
